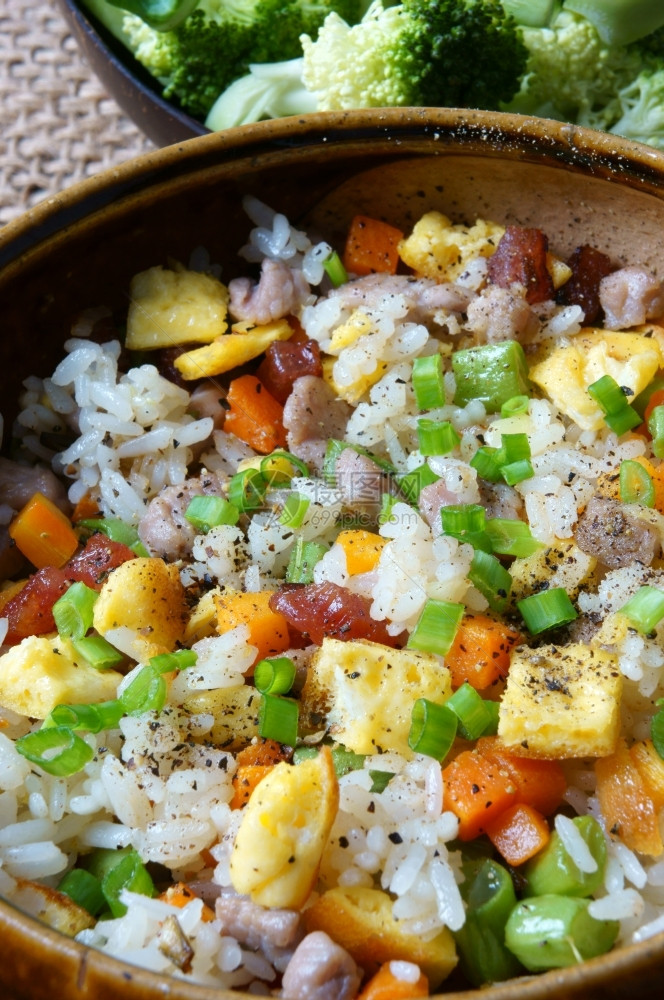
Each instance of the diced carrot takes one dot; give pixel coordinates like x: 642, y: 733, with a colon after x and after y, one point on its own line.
x: 245, y: 779
x: 481, y: 650
x: 180, y: 894
x: 628, y: 809
x: 386, y: 985
x: 262, y: 752
x: 255, y: 416
x: 651, y: 768
x: 539, y: 783
x: 85, y: 508
x: 268, y: 629
x: 476, y: 790
x: 362, y: 548
x: 43, y: 533
x: 518, y: 833
x: 371, y: 247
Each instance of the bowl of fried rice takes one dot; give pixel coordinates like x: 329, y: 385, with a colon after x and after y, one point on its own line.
x: 332, y: 599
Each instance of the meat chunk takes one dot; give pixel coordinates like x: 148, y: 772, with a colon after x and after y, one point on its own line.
x: 424, y: 297
x: 207, y: 401
x: 280, y: 290
x: 320, y: 970
x: 285, y: 361
x: 360, y: 480
x: 614, y: 536
x: 431, y: 501
x: 312, y: 415
x: 502, y: 314
x: 589, y: 266
x: 629, y: 297
x: 255, y: 926
x: 500, y: 500
x: 19, y: 482
x: 326, y: 609
x: 163, y: 529
x: 520, y: 258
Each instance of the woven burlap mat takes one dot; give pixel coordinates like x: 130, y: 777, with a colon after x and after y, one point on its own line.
x: 57, y: 123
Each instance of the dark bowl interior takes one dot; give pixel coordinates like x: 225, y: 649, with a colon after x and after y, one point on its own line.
x: 82, y: 248
x: 134, y: 89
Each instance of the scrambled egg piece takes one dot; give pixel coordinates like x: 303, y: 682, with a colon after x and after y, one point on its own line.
x: 144, y: 595
x: 231, y: 350
x: 234, y: 712
x: 561, y: 564
x: 632, y: 359
x: 440, y: 250
x: 367, y: 692
x: 45, y: 671
x: 562, y: 701
x: 174, y: 307
x: 359, y: 324
x: 360, y: 920
x: 284, y: 829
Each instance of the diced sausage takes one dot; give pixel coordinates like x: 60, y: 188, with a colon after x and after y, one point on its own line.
x: 285, y: 361
x: 320, y: 970
x: 614, y: 536
x: 326, y: 609
x: 589, y: 266
x: 520, y: 258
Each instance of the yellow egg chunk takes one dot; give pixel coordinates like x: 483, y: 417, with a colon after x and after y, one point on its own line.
x: 283, y: 832
x: 234, y: 712
x: 174, y: 307
x: 439, y: 250
x: 632, y: 359
x: 231, y: 350
x: 45, y: 671
x: 367, y: 692
x: 146, y: 596
x: 360, y: 920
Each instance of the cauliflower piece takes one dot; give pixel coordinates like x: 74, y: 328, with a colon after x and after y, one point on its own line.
x: 562, y: 701
x: 565, y: 373
x: 45, y: 671
x: 442, y: 251
x: 234, y: 714
x: 283, y: 832
x: 561, y: 564
x: 144, y: 595
x: 361, y: 921
x: 367, y: 692
x: 175, y: 307
x: 234, y: 349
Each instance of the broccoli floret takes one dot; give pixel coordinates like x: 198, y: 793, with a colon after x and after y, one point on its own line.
x: 637, y: 111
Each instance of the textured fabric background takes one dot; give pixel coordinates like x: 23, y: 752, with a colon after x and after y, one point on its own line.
x: 57, y: 124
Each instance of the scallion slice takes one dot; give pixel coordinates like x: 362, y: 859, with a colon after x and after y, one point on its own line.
x: 303, y: 558
x: 493, y: 708
x: 206, y: 512
x: 436, y: 437
x: 278, y: 719
x: 73, y: 612
x: 247, y: 489
x: 515, y: 406
x: 379, y: 781
x: 546, y: 610
x: 335, y: 269
x: 57, y: 750
x: 294, y: 510
x: 432, y: 729
x: 636, y: 485
x: 657, y: 728
x: 611, y: 399
x: 412, y: 483
x: 645, y: 609
x: 428, y: 382
x: 516, y: 472
x: 387, y: 502
x: 289, y: 457
x: 466, y: 523
x: 98, y: 652
x: 516, y: 465
x: 490, y: 577
x: 274, y: 675
x: 180, y: 659
x: 436, y: 627
x: 129, y: 873
x: 92, y: 718
x: 470, y: 708
x: 656, y: 428
x: 488, y: 462
x: 117, y: 531
x: 146, y: 692
x: 511, y: 537
x: 83, y: 889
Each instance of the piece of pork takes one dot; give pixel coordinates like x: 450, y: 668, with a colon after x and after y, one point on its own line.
x: 360, y: 480
x: 431, y: 501
x: 320, y: 970
x: 19, y: 482
x: 629, y: 297
x: 424, y: 297
x: 163, y: 529
x: 279, y: 291
x: 502, y: 314
x: 255, y: 926
x: 500, y: 500
x: 312, y: 415
x: 207, y: 401
x: 614, y: 536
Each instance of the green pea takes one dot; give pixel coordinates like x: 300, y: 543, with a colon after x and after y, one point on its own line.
x: 552, y: 932
x: 554, y: 871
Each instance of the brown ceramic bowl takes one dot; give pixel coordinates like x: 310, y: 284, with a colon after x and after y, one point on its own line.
x: 81, y: 249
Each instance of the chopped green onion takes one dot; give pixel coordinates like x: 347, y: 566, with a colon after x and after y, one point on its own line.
x: 247, y: 489
x: 656, y: 428
x: 488, y: 462
x: 657, y: 728
x: 471, y: 711
x: 294, y: 510
x: 428, y: 382
x: 516, y: 465
x: 83, y: 889
x: 466, y: 523
x: 301, y: 466
x: 274, y: 675
x: 92, y: 718
x: 303, y: 558
x: 334, y: 448
x: 206, y: 512
x: 491, y: 373
x: 645, y: 609
x: 117, y: 531
x: 611, y: 399
x: 129, y: 873
x: 489, y: 576
x: 515, y: 406
x: 436, y: 627
x: 145, y: 693
x: 180, y: 659
x: 432, y: 729
x: 412, y: 483
x: 493, y: 708
x: 57, y: 750
x: 98, y: 652
x: 641, y: 402
x: 379, y: 781
x: 387, y: 502
x: 335, y: 270
x: 278, y: 718
x: 547, y: 609
x: 511, y: 537
x: 516, y: 472
x: 636, y: 485
x: 436, y: 437
x: 73, y: 612
x: 344, y: 760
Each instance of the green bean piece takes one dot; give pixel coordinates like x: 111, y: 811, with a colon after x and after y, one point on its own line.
x: 552, y: 932
x: 554, y: 871
x: 490, y: 897
x: 492, y: 373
